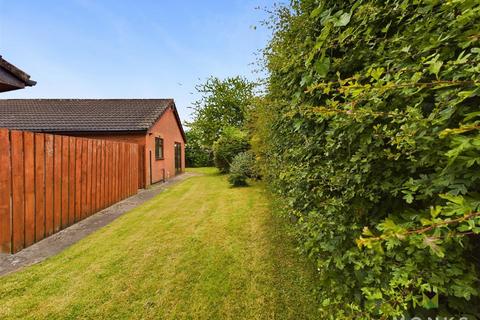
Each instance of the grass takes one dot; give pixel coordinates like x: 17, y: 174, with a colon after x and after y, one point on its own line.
x: 200, y: 250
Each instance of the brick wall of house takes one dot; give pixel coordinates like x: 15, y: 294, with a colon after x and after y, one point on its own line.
x: 166, y: 127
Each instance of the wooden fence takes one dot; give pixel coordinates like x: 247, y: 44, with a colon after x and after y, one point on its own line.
x: 49, y: 182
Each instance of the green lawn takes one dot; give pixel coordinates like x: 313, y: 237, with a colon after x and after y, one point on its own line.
x: 200, y: 250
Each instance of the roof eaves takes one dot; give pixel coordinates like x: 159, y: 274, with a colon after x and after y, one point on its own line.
x: 23, y: 76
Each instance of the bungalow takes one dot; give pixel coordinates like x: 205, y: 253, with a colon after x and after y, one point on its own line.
x: 12, y: 78
x: 154, y: 124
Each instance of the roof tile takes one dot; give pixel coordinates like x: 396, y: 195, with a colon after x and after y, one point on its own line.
x: 63, y: 115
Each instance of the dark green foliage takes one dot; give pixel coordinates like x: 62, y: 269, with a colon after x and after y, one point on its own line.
x: 223, y: 104
x: 197, y: 155
x: 243, y: 167
x: 237, y: 179
x: 232, y: 141
x: 370, y: 136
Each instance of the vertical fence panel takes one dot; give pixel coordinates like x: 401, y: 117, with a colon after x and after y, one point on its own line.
x: 57, y: 187
x: 78, y: 179
x: 139, y: 165
x: 135, y: 165
x: 18, y: 192
x: 48, y: 185
x: 120, y: 171
x: 29, y: 155
x: 104, y: 174
x: 108, y: 169
x: 117, y: 189
x: 135, y: 183
x: 71, y: 180
x: 111, y: 170
x: 101, y: 150
x: 39, y: 186
x: 133, y: 180
x: 124, y: 170
x: 134, y: 160
x: 93, y: 206
x: 128, y: 170
x: 117, y: 194
x: 115, y: 172
x: 128, y: 177
x: 5, y: 192
x: 84, y: 210
x: 88, y: 198
x: 99, y: 175
x: 65, y: 181
x: 131, y: 177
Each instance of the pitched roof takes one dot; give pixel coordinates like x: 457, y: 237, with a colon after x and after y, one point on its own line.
x: 12, y: 78
x: 82, y: 115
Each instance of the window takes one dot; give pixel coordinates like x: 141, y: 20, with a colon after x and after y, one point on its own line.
x: 158, y: 148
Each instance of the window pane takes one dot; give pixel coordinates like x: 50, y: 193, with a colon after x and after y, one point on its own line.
x: 158, y: 148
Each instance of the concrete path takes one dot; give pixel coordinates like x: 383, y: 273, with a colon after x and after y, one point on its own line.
x: 65, y: 238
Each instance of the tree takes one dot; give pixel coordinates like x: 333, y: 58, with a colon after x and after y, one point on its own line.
x: 243, y: 166
x: 196, y: 155
x: 224, y: 103
x: 231, y: 142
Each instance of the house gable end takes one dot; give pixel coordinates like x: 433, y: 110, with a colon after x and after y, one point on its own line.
x: 172, y: 107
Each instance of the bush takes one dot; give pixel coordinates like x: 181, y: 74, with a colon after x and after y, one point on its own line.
x: 232, y: 141
x: 237, y: 179
x: 372, y: 144
x: 196, y: 155
x: 243, y: 167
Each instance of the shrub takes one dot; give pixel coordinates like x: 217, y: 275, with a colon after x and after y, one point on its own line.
x: 237, y: 179
x: 372, y: 143
x: 196, y: 154
x: 243, y: 167
x: 232, y: 141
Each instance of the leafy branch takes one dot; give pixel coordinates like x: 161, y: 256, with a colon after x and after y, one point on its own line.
x: 370, y: 239
x: 342, y: 88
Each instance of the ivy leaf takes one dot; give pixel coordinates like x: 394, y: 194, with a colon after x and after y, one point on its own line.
x: 322, y: 66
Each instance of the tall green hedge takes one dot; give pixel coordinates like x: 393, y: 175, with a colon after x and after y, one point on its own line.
x: 369, y: 134
x: 232, y: 141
